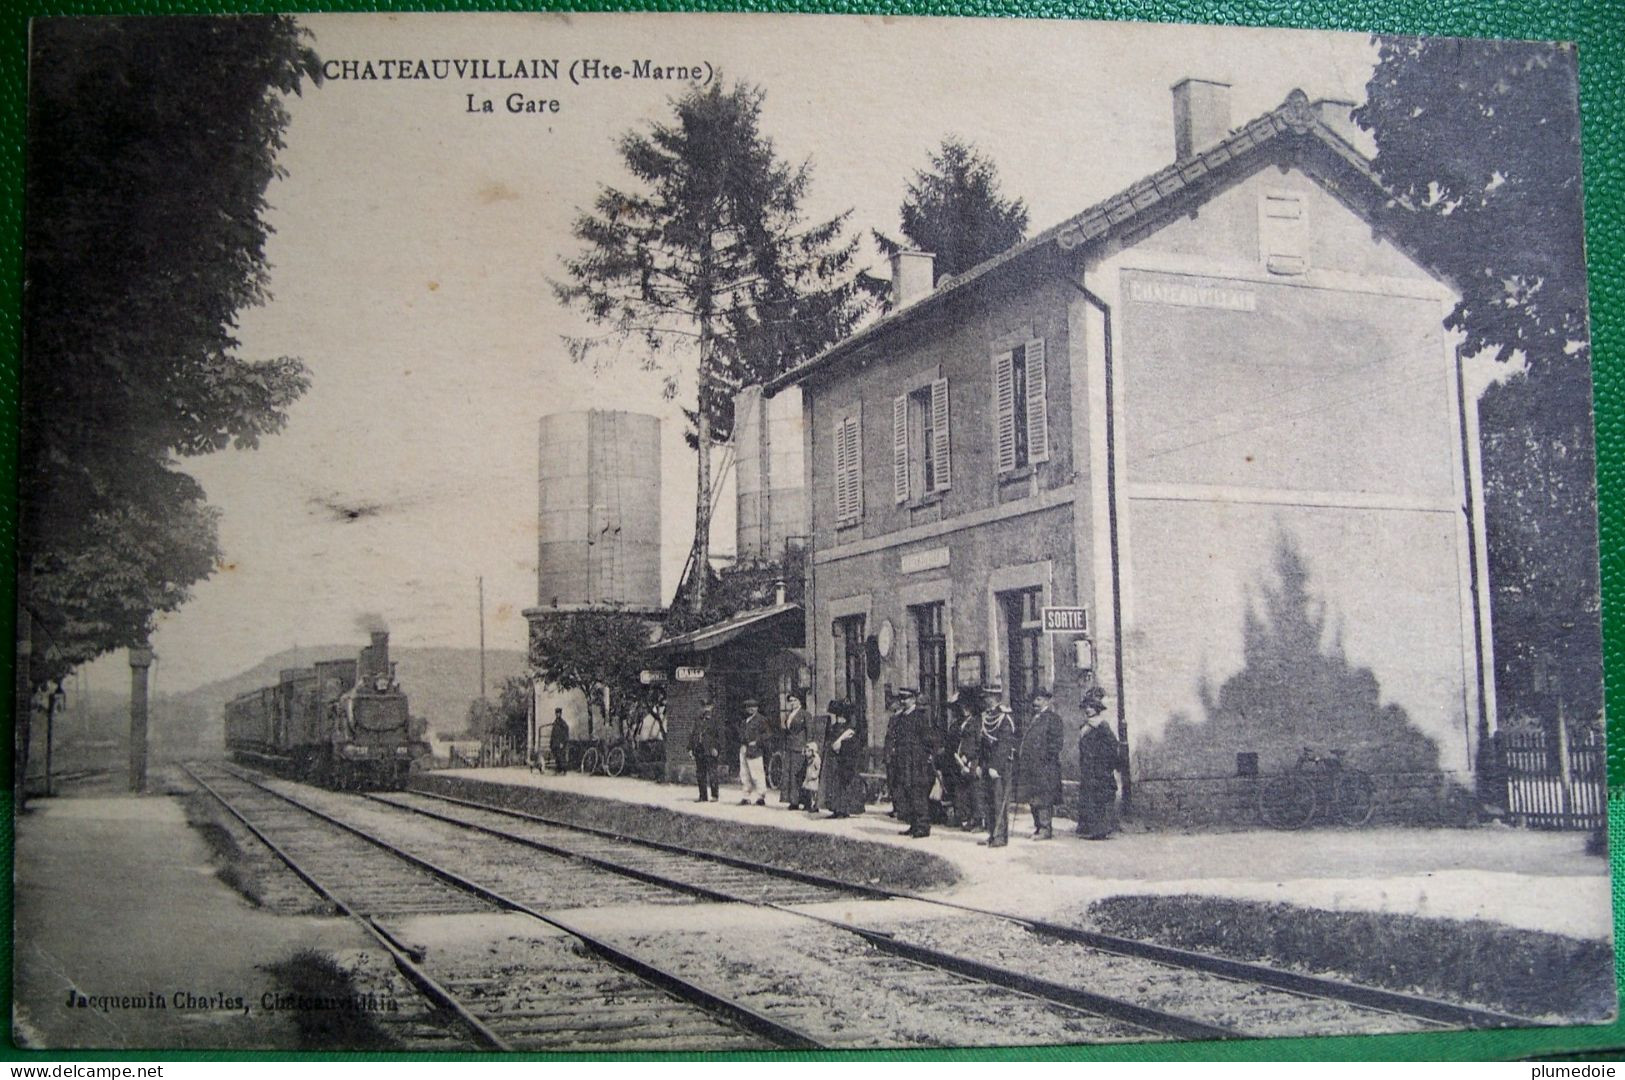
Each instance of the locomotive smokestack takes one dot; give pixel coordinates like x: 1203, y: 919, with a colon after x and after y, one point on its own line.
x: 378, y: 654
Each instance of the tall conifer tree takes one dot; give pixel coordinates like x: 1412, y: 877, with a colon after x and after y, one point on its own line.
x: 706, y: 263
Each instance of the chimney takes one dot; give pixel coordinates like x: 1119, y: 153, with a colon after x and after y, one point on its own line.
x: 912, y: 277
x: 1201, y: 115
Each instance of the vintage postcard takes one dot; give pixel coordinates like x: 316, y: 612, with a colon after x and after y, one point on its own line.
x: 639, y: 532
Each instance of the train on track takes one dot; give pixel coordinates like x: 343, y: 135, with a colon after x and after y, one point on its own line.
x: 339, y: 723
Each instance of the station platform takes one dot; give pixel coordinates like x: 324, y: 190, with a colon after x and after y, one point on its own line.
x: 1521, y: 878
x: 125, y: 939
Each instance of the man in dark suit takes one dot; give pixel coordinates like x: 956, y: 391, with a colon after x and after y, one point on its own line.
x: 558, y: 742
x: 1038, y: 765
x: 914, y: 754
x: 705, y: 743
x: 794, y: 729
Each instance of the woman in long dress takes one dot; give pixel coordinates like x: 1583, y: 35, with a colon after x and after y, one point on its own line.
x: 842, y: 785
x: 1097, y: 770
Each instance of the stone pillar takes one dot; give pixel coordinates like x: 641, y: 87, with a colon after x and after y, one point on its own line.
x: 140, y: 662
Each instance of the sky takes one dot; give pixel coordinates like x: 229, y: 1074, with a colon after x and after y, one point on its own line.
x: 415, y: 242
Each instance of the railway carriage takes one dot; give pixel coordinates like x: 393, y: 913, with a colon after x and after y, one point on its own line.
x: 342, y: 723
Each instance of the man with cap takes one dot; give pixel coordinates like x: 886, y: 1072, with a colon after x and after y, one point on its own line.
x: 1097, y: 769
x: 793, y: 732
x: 753, y: 737
x: 1038, y: 771
x: 914, y: 761
x: 997, y: 745
x: 705, y: 744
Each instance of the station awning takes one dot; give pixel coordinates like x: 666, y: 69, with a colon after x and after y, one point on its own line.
x: 710, y: 637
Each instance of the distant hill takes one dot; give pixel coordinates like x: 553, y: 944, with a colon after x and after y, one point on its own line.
x: 439, y: 683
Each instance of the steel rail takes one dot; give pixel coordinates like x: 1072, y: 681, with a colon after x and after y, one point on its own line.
x: 398, y: 952
x: 803, y: 877
x: 648, y: 877
x: 1152, y: 1020
x: 1319, y: 986
x: 734, y: 1012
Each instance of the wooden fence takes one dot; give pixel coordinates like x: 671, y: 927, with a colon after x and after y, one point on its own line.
x: 1556, y: 780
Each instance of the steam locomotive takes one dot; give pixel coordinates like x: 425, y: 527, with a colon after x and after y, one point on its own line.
x: 340, y: 723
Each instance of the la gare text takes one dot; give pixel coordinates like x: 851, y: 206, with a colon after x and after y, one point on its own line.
x: 514, y: 103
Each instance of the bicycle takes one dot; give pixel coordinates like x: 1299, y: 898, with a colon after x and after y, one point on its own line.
x: 1317, y: 784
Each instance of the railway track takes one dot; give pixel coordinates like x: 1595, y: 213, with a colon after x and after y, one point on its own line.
x: 1134, y: 989
x: 636, y: 1004
x: 1126, y: 961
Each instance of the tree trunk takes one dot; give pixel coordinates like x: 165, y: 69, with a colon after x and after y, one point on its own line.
x: 702, y: 498
x: 702, y: 515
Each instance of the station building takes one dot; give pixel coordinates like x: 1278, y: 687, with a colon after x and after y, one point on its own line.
x: 1215, y: 415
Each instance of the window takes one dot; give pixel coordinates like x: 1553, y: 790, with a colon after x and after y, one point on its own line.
x: 920, y: 447
x: 1283, y: 232
x: 849, y: 470
x: 1021, y: 406
x: 931, y: 638
x: 1023, y: 635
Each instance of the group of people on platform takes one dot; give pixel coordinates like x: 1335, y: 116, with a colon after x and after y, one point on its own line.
x: 966, y: 768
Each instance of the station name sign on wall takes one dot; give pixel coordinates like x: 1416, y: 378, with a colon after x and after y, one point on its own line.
x: 1201, y: 294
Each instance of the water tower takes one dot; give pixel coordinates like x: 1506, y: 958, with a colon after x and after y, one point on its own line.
x: 772, y: 488
x: 599, y: 522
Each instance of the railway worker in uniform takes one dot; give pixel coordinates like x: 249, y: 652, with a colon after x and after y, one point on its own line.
x: 753, y: 741
x: 558, y: 742
x: 997, y: 747
x: 843, y: 787
x: 1097, y: 769
x: 794, y: 729
x: 1038, y: 771
x: 914, y: 756
x: 705, y: 744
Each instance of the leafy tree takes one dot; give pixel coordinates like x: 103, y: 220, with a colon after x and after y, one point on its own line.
x: 481, y: 720
x: 152, y: 142
x: 513, y: 702
x: 707, y: 264
x: 1481, y: 141
x: 954, y: 210
x: 593, y: 652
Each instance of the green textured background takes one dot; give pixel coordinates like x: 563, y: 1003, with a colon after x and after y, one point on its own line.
x: 1599, y: 28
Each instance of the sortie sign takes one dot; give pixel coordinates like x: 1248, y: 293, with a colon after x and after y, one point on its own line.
x: 1066, y: 620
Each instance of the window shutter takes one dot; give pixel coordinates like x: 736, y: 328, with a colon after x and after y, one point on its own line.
x: 855, y: 453
x: 843, y: 513
x: 1283, y: 232
x: 939, y: 450
x: 899, y: 448
x: 1004, y: 410
x: 848, y: 471
x: 1037, y: 403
